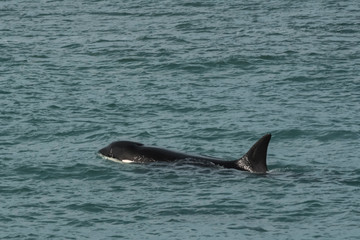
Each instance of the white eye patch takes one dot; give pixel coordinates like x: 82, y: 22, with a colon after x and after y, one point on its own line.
x: 126, y: 161
x: 116, y: 160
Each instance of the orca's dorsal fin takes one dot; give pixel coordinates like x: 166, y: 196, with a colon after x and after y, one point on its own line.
x: 255, y: 159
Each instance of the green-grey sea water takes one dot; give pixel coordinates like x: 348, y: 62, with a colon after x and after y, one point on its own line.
x: 203, y: 77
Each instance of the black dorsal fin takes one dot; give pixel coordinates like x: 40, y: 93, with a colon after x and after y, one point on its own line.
x: 255, y: 159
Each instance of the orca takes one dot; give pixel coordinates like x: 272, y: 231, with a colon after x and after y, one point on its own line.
x: 133, y: 152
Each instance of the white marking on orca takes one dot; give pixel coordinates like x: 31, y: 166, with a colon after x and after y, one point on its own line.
x: 116, y: 160
x: 126, y: 161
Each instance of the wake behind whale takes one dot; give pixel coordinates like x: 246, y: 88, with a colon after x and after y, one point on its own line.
x: 132, y: 152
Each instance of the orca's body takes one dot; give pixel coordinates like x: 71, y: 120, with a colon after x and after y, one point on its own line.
x: 132, y: 152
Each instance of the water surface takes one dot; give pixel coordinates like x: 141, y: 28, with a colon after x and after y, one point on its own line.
x: 200, y: 77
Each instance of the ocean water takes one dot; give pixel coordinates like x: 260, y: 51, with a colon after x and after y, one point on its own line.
x: 203, y: 77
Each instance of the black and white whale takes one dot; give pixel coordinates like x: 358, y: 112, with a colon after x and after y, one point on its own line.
x: 132, y: 152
